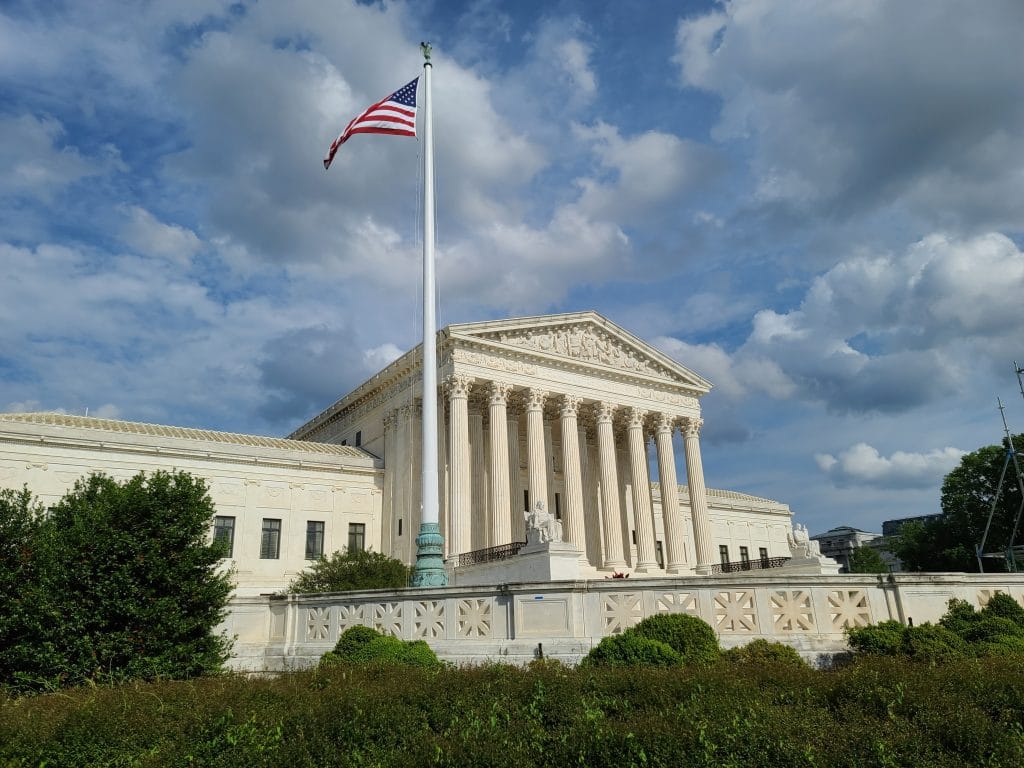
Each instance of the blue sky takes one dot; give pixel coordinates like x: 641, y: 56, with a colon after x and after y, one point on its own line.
x: 814, y: 204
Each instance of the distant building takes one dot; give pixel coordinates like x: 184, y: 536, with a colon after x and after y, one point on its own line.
x: 840, y: 542
x: 893, y: 527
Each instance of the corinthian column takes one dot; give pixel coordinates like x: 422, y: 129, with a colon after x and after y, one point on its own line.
x: 572, y: 473
x: 458, y: 447
x: 613, y: 556
x: 536, y: 469
x: 698, y: 494
x: 501, y: 514
x: 674, y: 544
x: 515, y: 482
x: 643, y: 519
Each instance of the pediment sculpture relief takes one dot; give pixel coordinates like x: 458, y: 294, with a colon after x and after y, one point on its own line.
x: 581, y: 343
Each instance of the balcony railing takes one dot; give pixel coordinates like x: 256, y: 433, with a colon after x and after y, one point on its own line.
x: 489, y: 555
x: 760, y: 564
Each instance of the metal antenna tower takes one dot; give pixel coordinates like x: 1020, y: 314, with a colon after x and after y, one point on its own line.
x: 1011, y: 455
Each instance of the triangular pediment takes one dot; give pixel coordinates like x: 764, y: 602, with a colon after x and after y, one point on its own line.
x: 584, y: 338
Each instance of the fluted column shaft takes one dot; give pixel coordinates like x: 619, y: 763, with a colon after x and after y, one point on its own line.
x: 698, y: 494
x: 613, y: 553
x: 536, y: 464
x: 515, y: 484
x: 675, y: 545
x: 501, y: 513
x: 572, y: 473
x: 459, y: 460
x: 479, y: 523
x: 643, y: 518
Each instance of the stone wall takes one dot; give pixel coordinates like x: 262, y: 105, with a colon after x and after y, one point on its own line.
x: 514, y: 622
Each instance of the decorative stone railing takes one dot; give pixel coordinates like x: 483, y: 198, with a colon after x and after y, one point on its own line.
x: 760, y: 564
x: 508, y: 622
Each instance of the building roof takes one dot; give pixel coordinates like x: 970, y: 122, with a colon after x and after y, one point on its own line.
x: 185, y: 433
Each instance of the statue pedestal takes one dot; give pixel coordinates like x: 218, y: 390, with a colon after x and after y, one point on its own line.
x: 550, y: 561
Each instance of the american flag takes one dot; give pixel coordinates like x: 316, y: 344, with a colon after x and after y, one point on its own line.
x: 395, y: 115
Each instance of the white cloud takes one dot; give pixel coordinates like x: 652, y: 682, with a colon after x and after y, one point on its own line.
x: 861, y: 464
x: 37, y: 159
x: 849, y: 106
x: 144, y: 233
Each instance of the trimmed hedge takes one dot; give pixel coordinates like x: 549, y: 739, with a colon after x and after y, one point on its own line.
x: 363, y: 645
x: 877, y: 711
x: 764, y: 652
x: 662, y: 640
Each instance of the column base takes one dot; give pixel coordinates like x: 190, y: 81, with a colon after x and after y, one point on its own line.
x: 704, y: 569
x: 429, y: 569
x: 647, y: 568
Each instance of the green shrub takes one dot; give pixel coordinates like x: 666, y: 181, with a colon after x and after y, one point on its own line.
x: 1004, y: 606
x: 363, y: 645
x: 883, y: 639
x: 933, y: 642
x: 693, y: 639
x: 347, y: 571
x: 766, y: 653
x: 960, y: 616
x: 352, y: 642
x: 632, y: 650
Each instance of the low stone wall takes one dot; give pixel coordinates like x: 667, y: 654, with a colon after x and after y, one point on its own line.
x: 516, y: 622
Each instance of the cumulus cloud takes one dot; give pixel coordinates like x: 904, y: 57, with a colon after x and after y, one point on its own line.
x: 147, y: 235
x: 853, y: 105
x: 880, y: 332
x: 863, y: 465
x: 37, y: 158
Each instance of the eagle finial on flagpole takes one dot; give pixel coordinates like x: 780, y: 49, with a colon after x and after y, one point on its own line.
x: 425, y: 47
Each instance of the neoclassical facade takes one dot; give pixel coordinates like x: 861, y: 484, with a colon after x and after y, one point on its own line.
x: 567, y: 409
x: 570, y: 410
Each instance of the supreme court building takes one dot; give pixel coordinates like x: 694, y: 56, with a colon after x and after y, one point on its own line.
x: 566, y: 409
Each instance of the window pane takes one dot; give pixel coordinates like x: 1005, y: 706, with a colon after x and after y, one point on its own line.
x: 744, y: 555
x: 763, y: 552
x: 224, y: 530
x: 314, y: 540
x: 356, y: 537
x: 723, y: 553
x: 270, y: 541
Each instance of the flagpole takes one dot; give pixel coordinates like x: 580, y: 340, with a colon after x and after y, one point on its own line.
x: 429, y: 570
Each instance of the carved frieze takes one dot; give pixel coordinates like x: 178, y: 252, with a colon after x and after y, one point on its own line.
x: 582, y: 342
x: 493, y: 362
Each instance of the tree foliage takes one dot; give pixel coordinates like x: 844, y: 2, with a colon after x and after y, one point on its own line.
x: 947, y: 542
x: 346, y: 571
x: 118, y: 581
x: 867, y: 560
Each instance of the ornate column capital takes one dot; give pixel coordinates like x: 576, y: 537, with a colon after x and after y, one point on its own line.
x: 664, y: 423
x: 457, y: 385
x: 570, y: 405
x: 535, y: 398
x: 692, y: 425
x: 390, y: 418
x: 635, y: 418
x: 604, y: 411
x: 498, y: 392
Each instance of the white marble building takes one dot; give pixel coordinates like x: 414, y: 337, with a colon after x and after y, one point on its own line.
x: 584, y: 412
x: 564, y: 409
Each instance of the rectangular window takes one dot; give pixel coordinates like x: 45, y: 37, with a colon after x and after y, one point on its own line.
x: 659, y: 553
x: 558, y: 506
x: 633, y: 536
x: 745, y: 557
x: 526, y: 500
x: 224, y: 530
x: 356, y: 537
x: 270, y: 540
x: 399, y: 526
x: 723, y: 553
x: 763, y: 554
x: 359, y: 439
x: 314, y: 540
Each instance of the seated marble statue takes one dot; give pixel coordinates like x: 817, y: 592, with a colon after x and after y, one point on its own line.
x: 541, y: 526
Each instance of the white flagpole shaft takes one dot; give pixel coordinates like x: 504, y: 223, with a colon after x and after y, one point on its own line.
x: 430, y: 492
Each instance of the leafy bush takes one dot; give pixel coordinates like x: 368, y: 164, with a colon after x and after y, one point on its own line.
x: 119, y: 581
x: 1004, y: 606
x: 959, y: 617
x: 933, y: 642
x: 884, y: 638
x: 630, y: 649
x: 348, y: 571
x: 765, y: 653
x: 363, y: 645
x: 693, y: 639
